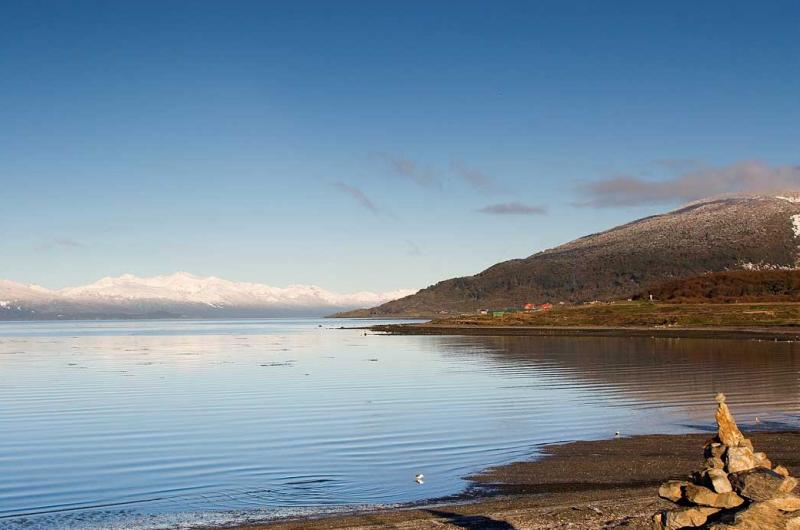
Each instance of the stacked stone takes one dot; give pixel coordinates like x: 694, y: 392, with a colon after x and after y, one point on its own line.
x: 737, y: 489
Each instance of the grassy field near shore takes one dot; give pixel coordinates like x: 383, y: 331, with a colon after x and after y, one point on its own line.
x: 645, y: 314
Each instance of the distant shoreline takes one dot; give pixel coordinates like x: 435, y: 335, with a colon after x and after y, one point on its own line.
x: 589, y: 484
x: 778, y: 333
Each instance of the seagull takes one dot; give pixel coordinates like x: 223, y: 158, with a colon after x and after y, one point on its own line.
x: 420, y: 478
x: 757, y: 420
x: 616, y: 434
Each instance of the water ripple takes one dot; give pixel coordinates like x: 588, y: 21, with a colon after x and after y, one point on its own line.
x: 180, y: 424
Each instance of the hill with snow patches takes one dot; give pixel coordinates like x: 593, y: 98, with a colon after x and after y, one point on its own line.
x: 179, y: 295
x: 754, y: 232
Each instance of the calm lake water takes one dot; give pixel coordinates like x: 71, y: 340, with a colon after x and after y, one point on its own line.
x: 177, y: 424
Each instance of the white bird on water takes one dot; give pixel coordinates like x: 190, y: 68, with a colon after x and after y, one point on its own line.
x: 420, y: 478
x: 616, y: 434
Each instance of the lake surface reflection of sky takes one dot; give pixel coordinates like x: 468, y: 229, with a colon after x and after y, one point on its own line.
x: 164, y: 424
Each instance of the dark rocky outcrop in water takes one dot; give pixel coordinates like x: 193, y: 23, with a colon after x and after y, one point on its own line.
x: 753, y: 232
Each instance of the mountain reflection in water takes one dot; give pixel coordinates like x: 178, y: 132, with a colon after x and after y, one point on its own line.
x: 759, y: 377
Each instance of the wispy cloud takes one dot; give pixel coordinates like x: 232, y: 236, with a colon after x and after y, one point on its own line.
x: 67, y: 242
x: 411, y: 170
x: 742, y: 177
x: 57, y: 243
x: 432, y: 177
x: 513, y: 208
x: 412, y: 249
x: 359, y: 196
x: 475, y: 177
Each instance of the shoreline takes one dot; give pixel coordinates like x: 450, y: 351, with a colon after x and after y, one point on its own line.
x: 776, y: 334
x: 591, y: 485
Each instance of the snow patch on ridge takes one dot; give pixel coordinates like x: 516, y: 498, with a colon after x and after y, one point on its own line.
x: 761, y: 266
x: 793, y: 200
x: 796, y: 224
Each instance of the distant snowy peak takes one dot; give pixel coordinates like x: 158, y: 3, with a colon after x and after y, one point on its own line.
x: 182, y: 287
x: 18, y: 291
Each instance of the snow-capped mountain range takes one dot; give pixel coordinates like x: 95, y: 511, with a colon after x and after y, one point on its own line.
x: 177, y: 295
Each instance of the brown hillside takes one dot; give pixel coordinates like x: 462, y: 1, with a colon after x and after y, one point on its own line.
x: 731, y: 286
x: 707, y: 236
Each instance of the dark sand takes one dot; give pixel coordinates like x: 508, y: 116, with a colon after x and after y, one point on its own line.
x: 762, y: 333
x: 583, y: 485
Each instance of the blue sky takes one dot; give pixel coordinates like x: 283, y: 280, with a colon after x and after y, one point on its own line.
x: 373, y: 145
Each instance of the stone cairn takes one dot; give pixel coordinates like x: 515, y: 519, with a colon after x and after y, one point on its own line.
x: 737, y: 489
